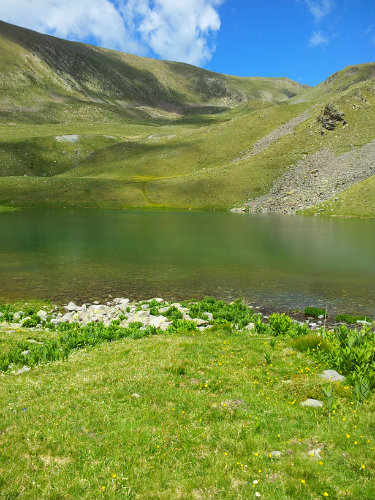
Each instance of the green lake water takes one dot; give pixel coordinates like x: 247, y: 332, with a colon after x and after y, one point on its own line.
x: 283, y: 262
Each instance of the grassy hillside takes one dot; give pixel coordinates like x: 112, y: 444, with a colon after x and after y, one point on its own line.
x: 42, y: 75
x: 85, y: 126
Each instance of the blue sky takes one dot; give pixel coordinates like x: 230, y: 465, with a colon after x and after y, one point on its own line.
x: 290, y: 38
x: 305, y: 40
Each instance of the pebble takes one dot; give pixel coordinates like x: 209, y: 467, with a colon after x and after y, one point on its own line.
x: 22, y: 370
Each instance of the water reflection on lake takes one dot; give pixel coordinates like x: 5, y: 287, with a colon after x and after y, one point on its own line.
x: 283, y: 261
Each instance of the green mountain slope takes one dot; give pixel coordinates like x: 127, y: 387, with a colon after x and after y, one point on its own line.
x: 85, y: 126
x: 40, y: 71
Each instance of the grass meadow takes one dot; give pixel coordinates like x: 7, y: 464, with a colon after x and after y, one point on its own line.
x: 211, y: 414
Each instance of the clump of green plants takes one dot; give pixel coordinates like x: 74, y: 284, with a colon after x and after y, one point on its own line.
x: 267, y: 358
x: 354, y: 355
x: 315, y: 312
x: 222, y: 325
x: 299, y: 330
x: 350, y: 352
x: 330, y: 400
x: 311, y: 343
x: 7, y: 312
x: 34, y: 320
x: 237, y: 313
x: 182, y: 325
x: 173, y: 313
x: 259, y: 326
x: 348, y: 318
x: 154, y: 307
x: 280, y: 324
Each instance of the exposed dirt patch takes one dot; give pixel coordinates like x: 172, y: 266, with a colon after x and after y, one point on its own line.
x: 49, y: 460
x: 317, y: 178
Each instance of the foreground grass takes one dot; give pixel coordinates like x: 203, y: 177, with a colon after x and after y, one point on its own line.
x: 184, y: 415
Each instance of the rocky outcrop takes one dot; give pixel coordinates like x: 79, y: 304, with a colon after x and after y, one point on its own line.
x: 330, y: 117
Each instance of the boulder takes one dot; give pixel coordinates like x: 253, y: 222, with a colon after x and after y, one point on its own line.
x: 200, y: 321
x: 330, y: 117
x: 42, y: 314
x: 18, y: 315
x: 72, y: 307
x: 159, y: 322
x: 249, y: 326
x: 332, y: 376
x: 314, y: 403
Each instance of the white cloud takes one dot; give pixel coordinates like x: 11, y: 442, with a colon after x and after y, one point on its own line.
x: 317, y: 38
x: 319, y: 8
x: 181, y: 30
x: 176, y: 30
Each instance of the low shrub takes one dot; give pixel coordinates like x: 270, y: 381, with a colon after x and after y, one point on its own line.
x: 315, y: 312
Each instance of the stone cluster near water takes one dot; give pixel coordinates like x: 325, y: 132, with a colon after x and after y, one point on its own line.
x: 133, y: 311
x: 119, y: 309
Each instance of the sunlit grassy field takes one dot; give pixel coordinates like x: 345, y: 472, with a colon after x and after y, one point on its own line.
x: 187, y: 415
x: 177, y: 165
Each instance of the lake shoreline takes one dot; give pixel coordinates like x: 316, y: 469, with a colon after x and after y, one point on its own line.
x: 156, y: 312
x: 234, y: 210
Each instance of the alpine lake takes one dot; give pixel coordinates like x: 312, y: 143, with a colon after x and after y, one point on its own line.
x: 279, y: 262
